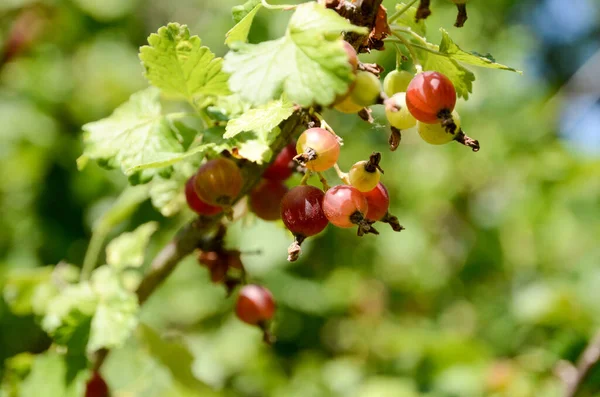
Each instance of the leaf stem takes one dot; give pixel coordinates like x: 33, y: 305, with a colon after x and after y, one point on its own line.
x: 401, y: 11
x: 411, y: 50
x: 99, y: 234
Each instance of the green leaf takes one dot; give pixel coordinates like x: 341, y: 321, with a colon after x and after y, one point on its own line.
x: 243, y: 15
x: 409, y: 20
x: 135, y: 135
x: 261, y: 120
x: 167, y: 159
x: 172, y: 354
x: 127, y: 250
x: 447, y: 46
x: 49, y: 377
x: 116, y: 315
x: 176, y: 63
x: 167, y: 194
x: 309, y: 63
x: 461, y: 77
x: 20, y: 286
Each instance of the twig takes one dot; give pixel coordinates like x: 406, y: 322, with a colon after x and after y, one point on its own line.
x: 588, y: 360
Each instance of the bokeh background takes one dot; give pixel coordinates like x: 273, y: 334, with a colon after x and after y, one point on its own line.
x: 493, y: 285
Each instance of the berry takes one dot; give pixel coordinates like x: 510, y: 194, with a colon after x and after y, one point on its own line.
x: 431, y: 98
x: 345, y: 206
x: 436, y: 134
x: 319, y: 149
x: 346, y: 105
x: 265, y: 199
x: 96, y: 386
x: 283, y: 166
x: 378, y: 200
x: 302, y: 210
x: 194, y: 202
x: 396, y: 81
x: 352, y: 56
x: 367, y: 89
x: 363, y: 179
x: 255, y: 305
x: 397, y: 112
x: 218, y: 182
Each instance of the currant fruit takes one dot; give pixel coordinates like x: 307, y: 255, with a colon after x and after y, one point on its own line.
x: 378, y: 200
x: 265, y: 199
x: 352, y: 55
x: 436, y: 134
x: 431, y: 98
x: 255, y: 305
x: 283, y: 166
x: 218, y: 182
x: 396, y: 81
x: 344, y: 206
x: 365, y: 175
x: 319, y: 149
x: 346, y: 105
x: 194, y: 202
x: 367, y: 89
x: 302, y: 210
x: 397, y: 112
x: 96, y: 386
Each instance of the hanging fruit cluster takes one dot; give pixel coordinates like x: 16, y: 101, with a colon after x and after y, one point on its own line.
x: 426, y: 101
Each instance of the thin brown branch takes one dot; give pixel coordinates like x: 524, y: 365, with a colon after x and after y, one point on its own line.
x: 588, y: 360
x: 201, y: 233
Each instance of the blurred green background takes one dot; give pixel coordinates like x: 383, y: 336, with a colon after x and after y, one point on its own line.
x: 494, y: 283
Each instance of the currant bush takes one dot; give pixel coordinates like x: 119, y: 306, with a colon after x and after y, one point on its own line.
x: 397, y: 112
x: 396, y: 81
x: 255, y: 305
x: 218, y: 182
x: 194, y: 202
x: 283, y: 166
x: 431, y: 98
x: 265, y: 199
x: 366, y: 90
x: 318, y: 149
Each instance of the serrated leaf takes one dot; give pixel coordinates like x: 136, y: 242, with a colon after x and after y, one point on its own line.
x: 408, y: 19
x: 261, y: 120
x: 254, y: 150
x: 172, y: 354
x: 135, y: 135
x: 116, y: 315
x: 177, y: 63
x: 243, y: 15
x: 166, y: 159
x: 461, y: 77
x: 127, y: 250
x: 447, y: 46
x: 309, y: 63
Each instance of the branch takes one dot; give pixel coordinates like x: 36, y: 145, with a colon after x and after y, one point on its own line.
x: 588, y: 360
x: 200, y: 233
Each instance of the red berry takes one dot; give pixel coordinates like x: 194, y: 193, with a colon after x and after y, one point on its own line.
x: 265, y: 199
x: 352, y: 56
x: 283, y: 166
x: 379, y: 202
x: 96, y: 386
x: 430, y: 97
x: 194, y: 202
x: 255, y: 305
x: 302, y: 210
x: 320, y: 149
x: 218, y: 182
x: 345, y: 206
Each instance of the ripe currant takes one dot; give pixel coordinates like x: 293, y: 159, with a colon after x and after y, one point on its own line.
x: 365, y: 175
x: 265, y: 199
x: 283, y: 165
x: 96, y: 386
x: 218, y: 182
x: 318, y: 149
x: 366, y: 90
x: 431, y: 98
x: 379, y: 203
x: 396, y: 81
x: 302, y: 213
x: 345, y: 207
x: 397, y: 112
x: 194, y: 202
x: 255, y: 305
